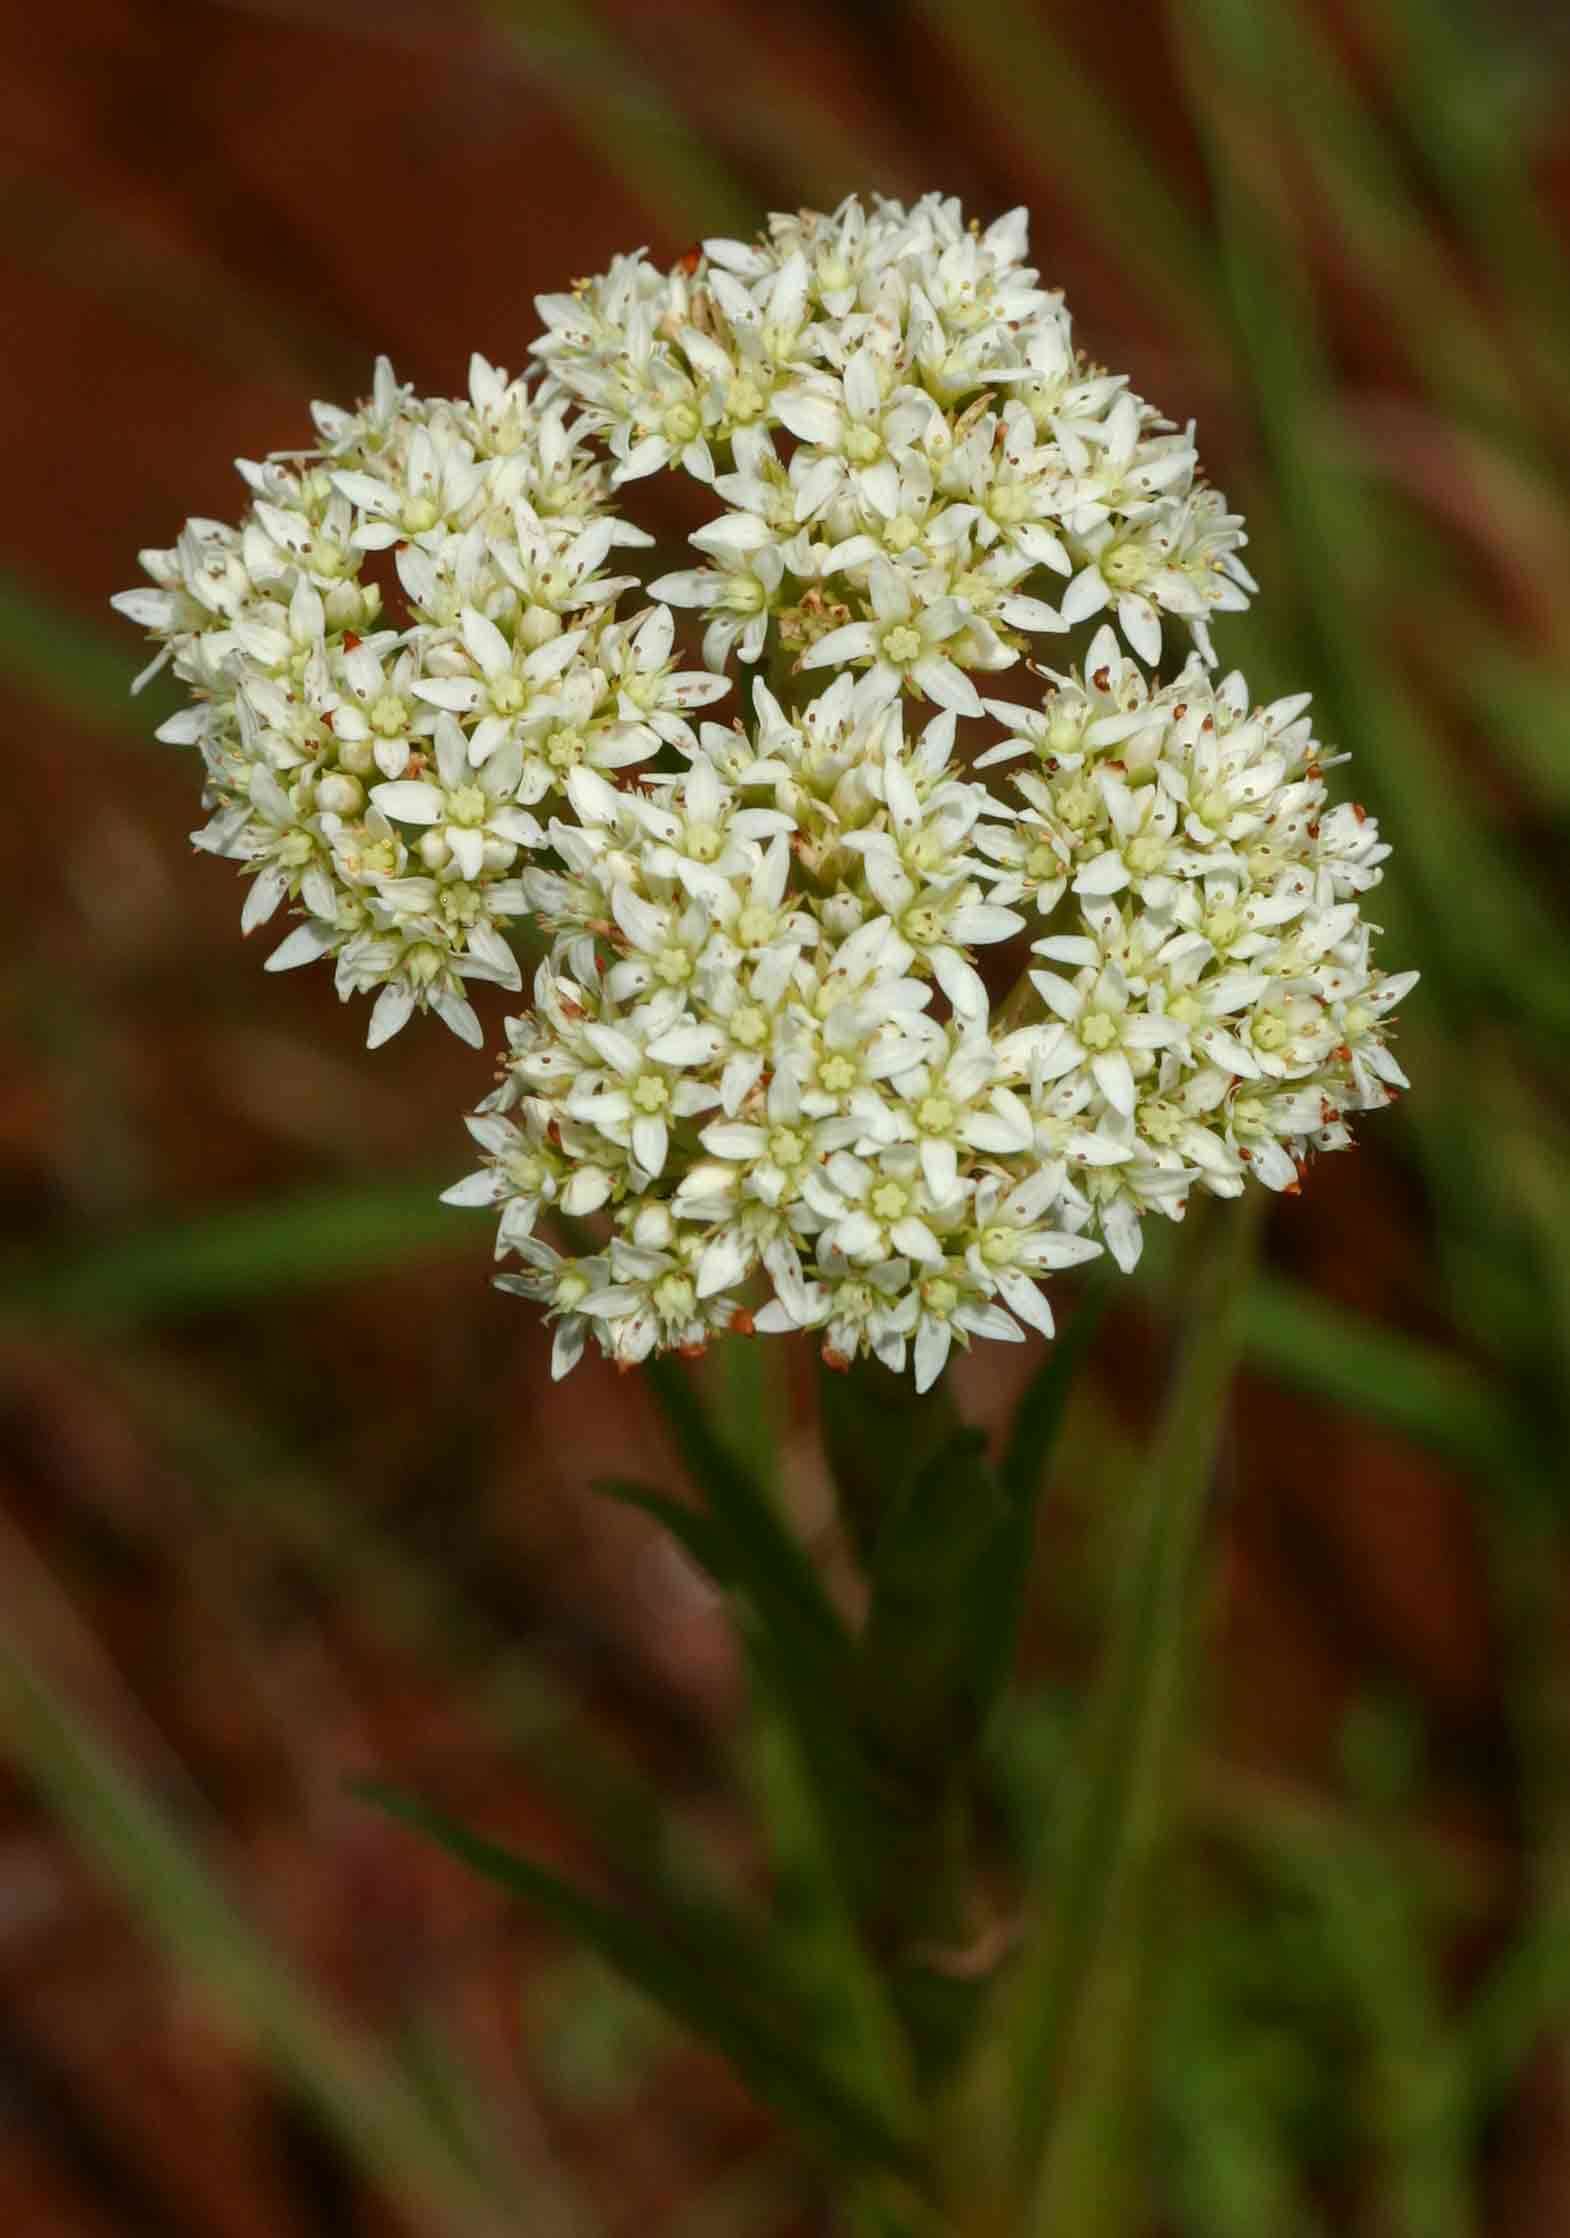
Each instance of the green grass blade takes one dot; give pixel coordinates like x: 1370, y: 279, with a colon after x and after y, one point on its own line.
x: 644, y: 143
x: 78, y: 670
x: 814, y: 1935
x: 220, y: 1260
x: 1437, y: 52
x: 1333, y: 1354
x: 1032, y: 81
x: 378, y: 2118
x: 1003, y: 1572
x: 1503, y: 945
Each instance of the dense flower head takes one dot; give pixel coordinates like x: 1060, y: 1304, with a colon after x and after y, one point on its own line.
x: 867, y: 1010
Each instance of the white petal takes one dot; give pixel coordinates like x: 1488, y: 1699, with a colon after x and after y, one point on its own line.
x: 459, y: 1017
x: 303, y: 946
x: 854, y: 642
x: 932, y: 1350
x: 409, y: 801
x: 1086, y: 595
x: 650, y: 1142
x: 485, y: 1187
x: 1110, y: 1070
x: 389, y: 1015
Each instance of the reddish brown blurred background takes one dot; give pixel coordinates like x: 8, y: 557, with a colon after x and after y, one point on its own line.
x: 285, y: 1491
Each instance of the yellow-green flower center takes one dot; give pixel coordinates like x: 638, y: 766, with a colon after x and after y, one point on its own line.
x: 890, y: 1200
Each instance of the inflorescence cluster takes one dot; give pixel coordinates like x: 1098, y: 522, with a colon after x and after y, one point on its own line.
x: 761, y: 1056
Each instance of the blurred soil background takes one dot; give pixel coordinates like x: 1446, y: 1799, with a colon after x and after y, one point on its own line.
x: 285, y: 1493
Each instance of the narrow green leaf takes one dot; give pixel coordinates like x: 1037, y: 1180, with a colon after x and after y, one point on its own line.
x: 918, y: 1698
x: 1092, y: 1940
x: 770, y: 1564
x: 795, y: 1639
x: 693, y: 1531
x: 877, y: 1434
x: 807, y: 1770
x: 1525, y: 1995
x: 813, y: 1932
x: 923, y: 1645
x: 716, y: 2004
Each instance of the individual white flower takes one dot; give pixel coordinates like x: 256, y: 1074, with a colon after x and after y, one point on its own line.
x: 905, y: 644
x: 562, y: 1286
x: 640, y: 1078
x: 738, y: 592
x: 1011, y: 1246
x: 854, y: 430
x: 467, y: 814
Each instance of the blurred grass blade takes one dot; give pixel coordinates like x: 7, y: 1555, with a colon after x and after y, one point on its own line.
x: 76, y: 668
x: 378, y: 2118
x: 1504, y: 944
x: 1025, y: 73
x: 1095, y: 1911
x: 265, y: 1250
x: 271, y: 1503
x: 656, y: 154
x: 1313, y: 1345
x: 718, y: 2004
x: 1286, y: 60
x: 1439, y: 53
x: 1523, y: 704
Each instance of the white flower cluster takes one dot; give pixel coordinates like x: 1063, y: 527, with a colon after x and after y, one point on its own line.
x: 762, y: 1056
